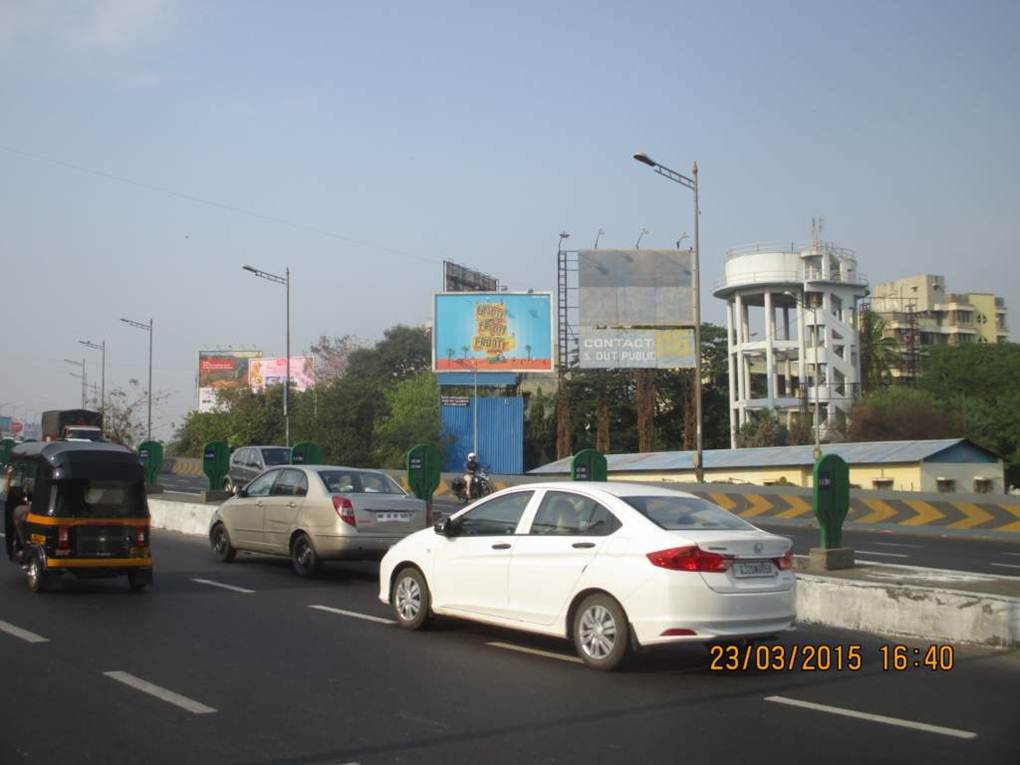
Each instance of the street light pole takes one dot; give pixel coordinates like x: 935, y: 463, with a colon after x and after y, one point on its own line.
x: 692, y: 184
x: 102, y: 375
x: 83, y: 376
x: 285, y: 281
x: 147, y: 328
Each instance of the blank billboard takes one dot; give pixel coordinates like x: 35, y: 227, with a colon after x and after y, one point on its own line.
x: 635, y: 288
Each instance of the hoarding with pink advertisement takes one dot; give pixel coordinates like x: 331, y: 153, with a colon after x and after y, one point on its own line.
x: 273, y: 371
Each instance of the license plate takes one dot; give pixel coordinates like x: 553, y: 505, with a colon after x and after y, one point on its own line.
x: 752, y: 568
x: 392, y: 517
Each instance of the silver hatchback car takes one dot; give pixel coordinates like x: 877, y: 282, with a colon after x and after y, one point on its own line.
x: 314, y: 513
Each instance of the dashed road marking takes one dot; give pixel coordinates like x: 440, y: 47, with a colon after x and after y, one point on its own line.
x: 536, y: 652
x: 876, y: 552
x: 354, y: 614
x: 897, y: 544
x: 18, y: 632
x: 1011, y: 553
x: 231, y: 587
x: 189, y: 705
x: 1005, y: 565
x: 954, y: 732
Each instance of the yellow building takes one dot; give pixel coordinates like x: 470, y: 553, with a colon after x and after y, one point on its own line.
x: 918, y: 313
x: 947, y: 465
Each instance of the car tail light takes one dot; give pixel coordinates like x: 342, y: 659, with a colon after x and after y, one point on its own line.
x: 690, y: 559
x: 345, y: 510
x: 140, y: 536
x: 786, y: 562
x: 63, y: 539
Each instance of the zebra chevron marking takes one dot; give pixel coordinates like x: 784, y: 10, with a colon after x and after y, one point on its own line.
x: 880, y: 511
x: 1012, y: 510
x: 723, y: 501
x: 798, y: 506
x: 926, y: 513
x: 975, y: 516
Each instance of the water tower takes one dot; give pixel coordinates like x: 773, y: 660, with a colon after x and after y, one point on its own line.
x: 791, y: 323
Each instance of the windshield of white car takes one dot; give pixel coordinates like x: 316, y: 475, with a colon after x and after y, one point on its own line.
x: 358, y: 482
x: 686, y: 514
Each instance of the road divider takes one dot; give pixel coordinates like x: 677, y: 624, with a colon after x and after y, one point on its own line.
x: 170, y: 697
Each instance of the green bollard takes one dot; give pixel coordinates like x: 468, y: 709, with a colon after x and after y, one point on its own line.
x: 216, y: 463
x: 831, y: 503
x: 306, y: 453
x: 151, y: 454
x: 424, y: 469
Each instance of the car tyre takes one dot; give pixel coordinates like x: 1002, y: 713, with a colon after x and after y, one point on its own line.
x: 36, y: 575
x: 601, y: 632
x: 221, y: 547
x: 410, y: 599
x: 303, y: 557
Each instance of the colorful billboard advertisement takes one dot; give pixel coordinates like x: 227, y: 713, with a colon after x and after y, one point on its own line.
x: 220, y: 370
x: 273, y: 371
x: 492, y: 332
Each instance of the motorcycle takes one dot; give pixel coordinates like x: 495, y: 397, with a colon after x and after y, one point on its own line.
x: 482, y: 487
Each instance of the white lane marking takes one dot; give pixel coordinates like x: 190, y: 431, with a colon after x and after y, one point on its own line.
x: 1005, y: 565
x: 211, y: 583
x: 1009, y: 553
x: 536, y: 652
x: 875, y: 552
x: 897, y: 544
x: 28, y: 637
x: 954, y: 732
x: 354, y: 614
x: 190, y: 705
x: 924, y: 571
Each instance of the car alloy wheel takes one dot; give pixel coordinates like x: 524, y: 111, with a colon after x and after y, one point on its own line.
x: 408, y: 598
x: 597, y: 632
x: 303, y: 557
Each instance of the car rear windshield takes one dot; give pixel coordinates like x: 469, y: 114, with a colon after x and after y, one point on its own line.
x: 686, y: 514
x: 279, y: 456
x: 358, y: 482
x: 99, y: 499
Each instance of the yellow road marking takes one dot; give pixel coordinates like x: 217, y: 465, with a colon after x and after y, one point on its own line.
x: 880, y: 511
x: 926, y: 514
x: 975, y: 516
x: 758, y: 506
x: 798, y: 506
x: 1015, y: 525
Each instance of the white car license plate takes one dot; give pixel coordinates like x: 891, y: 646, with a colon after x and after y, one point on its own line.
x: 752, y: 568
x: 392, y: 517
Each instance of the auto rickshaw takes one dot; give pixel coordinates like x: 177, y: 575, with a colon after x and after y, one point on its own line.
x: 77, y: 508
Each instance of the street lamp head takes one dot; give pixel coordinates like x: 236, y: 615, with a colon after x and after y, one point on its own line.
x: 564, y: 235
x: 250, y: 268
x: 645, y: 159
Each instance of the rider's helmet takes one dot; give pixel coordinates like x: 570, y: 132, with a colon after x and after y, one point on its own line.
x: 472, y: 455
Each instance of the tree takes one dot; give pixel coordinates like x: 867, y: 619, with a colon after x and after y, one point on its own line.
x: 332, y: 354
x: 878, y: 352
x: 413, y: 418
x: 125, y: 416
x: 764, y: 429
x: 902, y: 413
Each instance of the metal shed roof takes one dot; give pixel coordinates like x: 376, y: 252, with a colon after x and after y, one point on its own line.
x: 866, y: 453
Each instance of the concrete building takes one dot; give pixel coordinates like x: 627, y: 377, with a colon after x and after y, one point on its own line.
x: 920, y: 312
x: 950, y: 465
x: 792, y: 329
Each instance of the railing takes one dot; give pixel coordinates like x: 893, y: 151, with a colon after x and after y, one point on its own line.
x: 789, y: 276
x: 795, y: 248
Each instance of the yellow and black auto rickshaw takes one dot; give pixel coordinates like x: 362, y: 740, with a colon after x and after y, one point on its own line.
x: 77, y: 508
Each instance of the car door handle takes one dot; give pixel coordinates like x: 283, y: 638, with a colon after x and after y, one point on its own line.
x: 501, y: 546
x: 583, y: 544
x: 292, y: 504
x: 258, y: 503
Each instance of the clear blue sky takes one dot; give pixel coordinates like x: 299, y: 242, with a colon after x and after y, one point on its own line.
x: 473, y: 131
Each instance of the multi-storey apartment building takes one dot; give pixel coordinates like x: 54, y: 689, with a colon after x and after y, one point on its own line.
x: 920, y: 312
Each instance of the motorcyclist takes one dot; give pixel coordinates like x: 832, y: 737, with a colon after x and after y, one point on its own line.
x: 471, y: 468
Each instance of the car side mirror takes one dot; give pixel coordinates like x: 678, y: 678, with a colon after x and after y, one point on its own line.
x: 242, y: 492
x: 445, y: 527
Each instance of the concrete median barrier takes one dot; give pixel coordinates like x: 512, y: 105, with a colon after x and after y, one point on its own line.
x: 177, y: 515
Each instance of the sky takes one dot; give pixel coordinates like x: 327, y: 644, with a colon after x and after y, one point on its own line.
x: 149, y: 149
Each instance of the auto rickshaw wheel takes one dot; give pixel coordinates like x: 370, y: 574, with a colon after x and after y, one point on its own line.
x: 35, y: 575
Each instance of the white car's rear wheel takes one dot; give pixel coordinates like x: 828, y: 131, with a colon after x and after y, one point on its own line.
x: 601, y: 633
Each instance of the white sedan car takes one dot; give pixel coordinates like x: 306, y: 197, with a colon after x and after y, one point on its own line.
x: 607, y: 565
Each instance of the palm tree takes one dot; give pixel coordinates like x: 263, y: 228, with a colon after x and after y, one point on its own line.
x: 878, y: 352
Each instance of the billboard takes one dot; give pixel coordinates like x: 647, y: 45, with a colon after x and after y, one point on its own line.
x: 492, y: 332
x: 635, y: 348
x: 635, y: 288
x: 458, y: 278
x: 273, y: 371
x: 220, y: 370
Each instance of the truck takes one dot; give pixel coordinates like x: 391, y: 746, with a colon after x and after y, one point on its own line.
x: 72, y: 425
